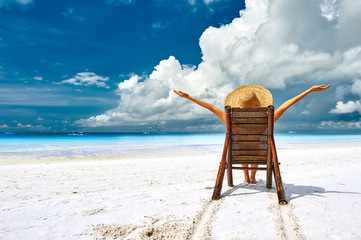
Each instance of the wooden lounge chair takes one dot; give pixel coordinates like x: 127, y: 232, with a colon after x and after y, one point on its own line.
x: 250, y: 141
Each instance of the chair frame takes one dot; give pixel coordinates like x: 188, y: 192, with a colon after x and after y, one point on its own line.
x: 269, y: 153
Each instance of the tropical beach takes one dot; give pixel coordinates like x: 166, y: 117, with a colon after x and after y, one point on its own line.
x: 160, y: 187
x: 114, y: 114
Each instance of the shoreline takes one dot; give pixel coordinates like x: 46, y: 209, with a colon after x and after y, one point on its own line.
x: 149, y: 152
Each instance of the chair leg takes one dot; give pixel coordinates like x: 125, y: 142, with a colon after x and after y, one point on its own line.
x: 222, y: 167
x: 280, y: 190
x: 269, y: 176
x: 219, y: 182
x: 229, y: 171
x: 277, y: 174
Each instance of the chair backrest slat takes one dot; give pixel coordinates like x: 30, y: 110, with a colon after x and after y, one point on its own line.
x: 249, y: 120
x: 249, y: 146
x: 249, y: 129
x: 249, y: 114
x: 249, y: 158
x: 250, y: 152
x: 248, y: 162
x: 249, y: 138
x: 261, y: 109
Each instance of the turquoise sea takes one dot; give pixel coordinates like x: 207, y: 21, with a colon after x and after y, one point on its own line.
x: 93, y: 145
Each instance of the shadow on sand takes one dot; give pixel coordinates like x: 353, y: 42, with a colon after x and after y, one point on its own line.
x: 292, y: 191
x: 296, y: 191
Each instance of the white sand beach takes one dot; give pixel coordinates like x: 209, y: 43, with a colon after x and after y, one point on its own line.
x: 168, y: 197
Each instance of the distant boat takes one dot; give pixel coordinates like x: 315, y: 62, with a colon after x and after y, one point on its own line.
x: 291, y: 132
x: 74, y: 133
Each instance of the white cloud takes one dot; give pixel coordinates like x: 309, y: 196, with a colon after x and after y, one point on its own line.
x: 349, y: 107
x: 272, y: 43
x: 38, y: 78
x: 24, y: 126
x: 33, y: 128
x: 4, y: 126
x: 340, y: 125
x: 329, y: 9
x: 87, y: 79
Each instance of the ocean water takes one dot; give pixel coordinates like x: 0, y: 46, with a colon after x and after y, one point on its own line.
x: 42, y: 146
x: 20, y: 142
x: 38, y: 146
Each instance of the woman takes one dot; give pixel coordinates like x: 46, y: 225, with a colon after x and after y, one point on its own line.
x: 252, y: 96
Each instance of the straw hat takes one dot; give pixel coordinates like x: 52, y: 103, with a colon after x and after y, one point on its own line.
x: 249, y: 96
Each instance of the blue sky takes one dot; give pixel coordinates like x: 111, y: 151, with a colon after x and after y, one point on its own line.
x: 110, y: 65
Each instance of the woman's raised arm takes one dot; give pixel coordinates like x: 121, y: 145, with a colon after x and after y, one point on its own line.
x: 282, y: 109
x: 218, y: 112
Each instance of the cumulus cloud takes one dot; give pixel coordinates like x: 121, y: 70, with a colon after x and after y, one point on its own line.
x: 38, y: 78
x: 272, y: 43
x: 349, y: 107
x: 87, y: 79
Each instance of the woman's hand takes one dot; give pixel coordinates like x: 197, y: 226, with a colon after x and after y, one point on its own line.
x: 219, y: 113
x: 181, y: 94
x: 320, y: 88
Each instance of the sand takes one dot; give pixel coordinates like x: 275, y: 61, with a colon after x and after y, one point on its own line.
x: 169, y: 198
